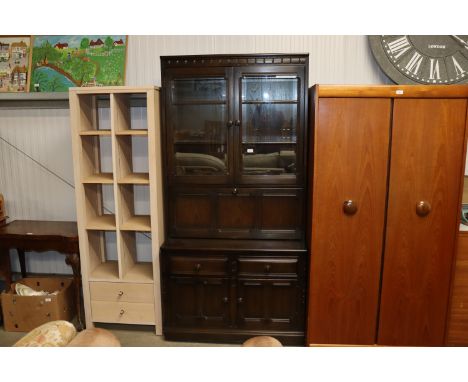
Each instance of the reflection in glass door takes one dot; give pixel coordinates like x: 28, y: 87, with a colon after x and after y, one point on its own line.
x: 199, y: 114
x: 269, y: 124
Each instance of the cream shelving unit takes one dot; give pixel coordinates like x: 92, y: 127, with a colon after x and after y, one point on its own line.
x: 119, y: 205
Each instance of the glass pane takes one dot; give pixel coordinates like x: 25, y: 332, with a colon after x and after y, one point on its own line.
x: 198, y: 89
x: 269, y: 123
x: 269, y: 88
x: 199, y: 123
x: 200, y: 159
x: 269, y: 159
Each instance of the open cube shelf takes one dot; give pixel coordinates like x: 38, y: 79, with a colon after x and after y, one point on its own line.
x: 116, y: 148
x: 102, y: 256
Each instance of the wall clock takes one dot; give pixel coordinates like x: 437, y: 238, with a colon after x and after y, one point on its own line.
x: 422, y: 59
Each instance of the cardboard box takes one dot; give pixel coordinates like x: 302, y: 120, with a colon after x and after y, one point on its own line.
x: 24, y: 313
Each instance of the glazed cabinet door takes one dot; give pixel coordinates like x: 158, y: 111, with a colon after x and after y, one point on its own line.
x: 269, y: 109
x: 423, y: 210
x: 349, y: 192
x: 198, y: 120
x: 197, y: 302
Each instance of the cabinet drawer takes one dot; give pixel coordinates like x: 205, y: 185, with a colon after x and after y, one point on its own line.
x: 189, y: 265
x: 121, y: 292
x: 268, y: 266
x: 123, y: 312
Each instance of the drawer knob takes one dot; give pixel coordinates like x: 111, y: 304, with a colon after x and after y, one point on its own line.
x: 267, y: 268
x: 122, y: 312
x: 225, y: 300
x: 198, y: 267
x: 350, y: 207
x: 423, y: 208
x: 240, y: 300
x: 120, y: 293
x: 235, y: 191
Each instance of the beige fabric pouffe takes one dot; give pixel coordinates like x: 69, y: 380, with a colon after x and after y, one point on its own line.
x: 95, y: 337
x: 262, y: 341
x: 54, y: 333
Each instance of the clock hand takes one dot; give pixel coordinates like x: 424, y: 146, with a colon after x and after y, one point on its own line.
x: 462, y: 41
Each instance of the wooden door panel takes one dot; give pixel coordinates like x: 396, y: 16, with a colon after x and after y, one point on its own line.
x: 458, y: 320
x: 350, y: 163
x: 426, y: 160
x: 197, y: 302
x: 268, y: 304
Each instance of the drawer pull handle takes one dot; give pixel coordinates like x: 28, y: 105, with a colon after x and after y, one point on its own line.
x: 198, y: 267
x: 267, y: 268
x: 122, y: 312
x: 120, y: 293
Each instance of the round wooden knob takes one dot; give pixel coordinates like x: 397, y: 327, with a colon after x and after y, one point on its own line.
x: 423, y: 208
x: 240, y: 300
x: 349, y: 207
x: 120, y: 293
x: 122, y: 312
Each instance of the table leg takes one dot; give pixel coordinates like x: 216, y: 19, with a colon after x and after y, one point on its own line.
x: 22, y: 261
x: 73, y: 260
x: 5, y: 267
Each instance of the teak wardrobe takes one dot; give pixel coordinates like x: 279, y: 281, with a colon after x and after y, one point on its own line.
x: 386, y: 194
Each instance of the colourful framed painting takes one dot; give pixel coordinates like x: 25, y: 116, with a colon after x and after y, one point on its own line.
x: 61, y: 62
x: 14, y: 63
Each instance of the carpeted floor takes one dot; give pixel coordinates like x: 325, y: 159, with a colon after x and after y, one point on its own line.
x: 129, y: 336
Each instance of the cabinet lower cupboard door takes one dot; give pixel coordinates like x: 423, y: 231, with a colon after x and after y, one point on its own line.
x: 349, y: 192
x: 198, y: 302
x: 268, y: 304
x: 426, y: 160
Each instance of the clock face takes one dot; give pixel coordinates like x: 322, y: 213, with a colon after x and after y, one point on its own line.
x: 422, y: 59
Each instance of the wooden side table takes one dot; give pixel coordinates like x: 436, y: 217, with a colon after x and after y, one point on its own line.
x: 41, y: 236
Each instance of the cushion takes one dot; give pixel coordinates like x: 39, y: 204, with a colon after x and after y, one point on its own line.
x: 54, y: 333
x: 95, y: 337
x: 262, y: 341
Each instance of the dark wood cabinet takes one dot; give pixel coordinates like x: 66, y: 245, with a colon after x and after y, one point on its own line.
x: 234, y: 135
x: 222, y: 293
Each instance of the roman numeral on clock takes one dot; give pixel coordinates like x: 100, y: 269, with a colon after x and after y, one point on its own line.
x: 458, y: 69
x: 399, y: 46
x: 434, y: 71
x: 414, y: 64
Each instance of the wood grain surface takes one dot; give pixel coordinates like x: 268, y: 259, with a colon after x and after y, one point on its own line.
x: 458, y: 313
x: 350, y: 162
x: 426, y: 160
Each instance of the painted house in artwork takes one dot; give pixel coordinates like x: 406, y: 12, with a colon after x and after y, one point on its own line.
x: 19, y: 50
x: 4, y: 78
x: 118, y: 42
x: 59, y: 45
x: 4, y: 52
x: 19, y: 76
x: 96, y: 44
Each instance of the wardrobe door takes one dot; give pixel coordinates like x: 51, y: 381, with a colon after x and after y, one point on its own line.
x: 350, y: 164
x: 422, y: 218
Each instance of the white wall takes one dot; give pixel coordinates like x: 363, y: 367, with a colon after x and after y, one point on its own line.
x: 31, y: 192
